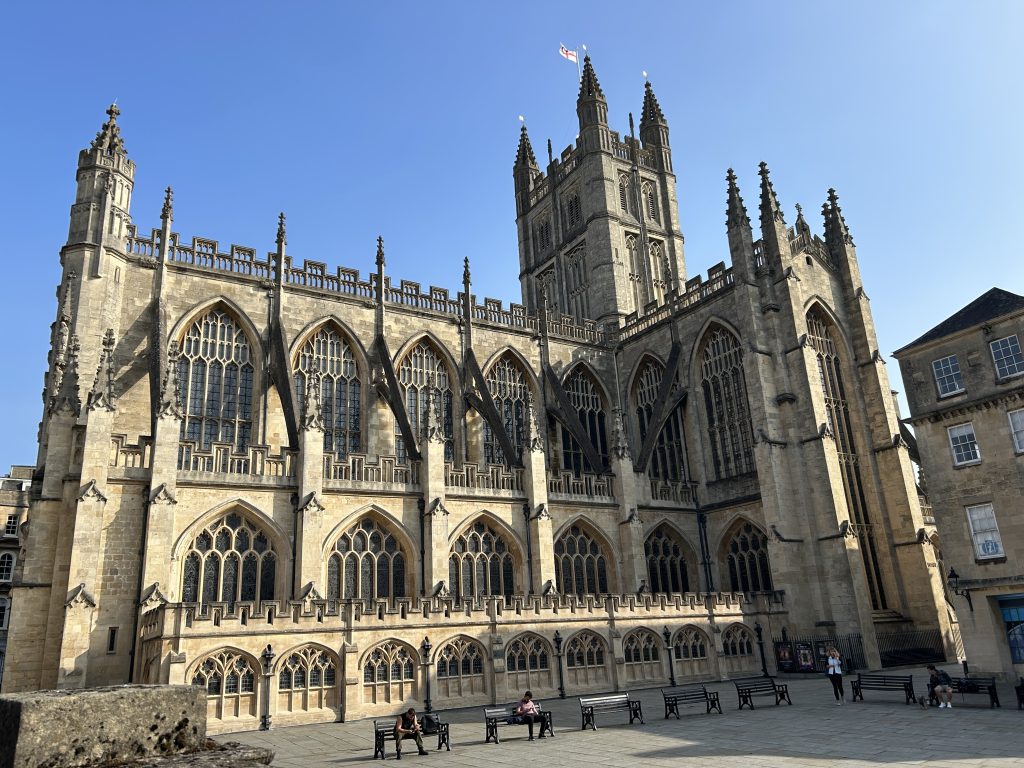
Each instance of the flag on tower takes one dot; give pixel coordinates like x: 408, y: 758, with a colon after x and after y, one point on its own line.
x: 566, y: 53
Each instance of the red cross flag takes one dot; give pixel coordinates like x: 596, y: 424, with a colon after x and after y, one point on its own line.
x: 566, y: 53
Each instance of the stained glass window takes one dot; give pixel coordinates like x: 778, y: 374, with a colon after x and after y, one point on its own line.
x: 581, y: 567
x: 506, y: 382
x: 584, y: 397
x: 211, y: 566
x: 725, y: 404
x: 421, y: 369
x: 481, y: 563
x: 329, y: 354
x: 368, y: 562
x: 666, y: 564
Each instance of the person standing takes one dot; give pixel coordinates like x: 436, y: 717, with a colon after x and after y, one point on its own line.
x: 527, y: 710
x: 407, y: 726
x: 835, y: 674
x: 941, y: 685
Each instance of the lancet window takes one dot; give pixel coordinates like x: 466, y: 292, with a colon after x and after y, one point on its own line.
x: 577, y: 282
x: 230, y: 560
x: 650, y: 202
x: 837, y: 412
x: 624, y: 192
x: 637, y: 277
x: 573, y: 213
x: 666, y: 563
x: 659, y: 278
x: 421, y: 372
x: 581, y: 564
x: 747, y: 558
x: 216, y: 374
x: 506, y: 382
x: 725, y: 404
x: 481, y: 563
x: 586, y: 400
x: 367, y: 563
x: 327, y: 355
x: 668, y: 460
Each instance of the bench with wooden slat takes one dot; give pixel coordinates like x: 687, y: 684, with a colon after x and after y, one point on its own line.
x: 495, y: 717
x: 872, y: 682
x: 384, y: 731
x: 749, y: 687
x: 590, y: 706
x: 964, y: 685
x: 686, y: 695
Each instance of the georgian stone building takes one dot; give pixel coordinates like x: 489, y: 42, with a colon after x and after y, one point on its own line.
x: 13, y: 506
x: 276, y: 480
x: 965, y: 385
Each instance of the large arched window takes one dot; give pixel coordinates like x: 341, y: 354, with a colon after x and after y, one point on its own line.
x: 581, y: 565
x: 421, y: 372
x: 527, y: 653
x: 747, y: 557
x: 230, y: 682
x: 585, y: 398
x: 725, y: 404
x: 584, y: 649
x: 690, y: 644
x: 367, y: 563
x: 389, y: 662
x: 737, y: 640
x: 327, y: 356
x: 668, y: 460
x: 640, y: 646
x: 231, y: 559
x: 216, y: 374
x: 481, y: 563
x: 837, y: 411
x: 461, y: 658
x: 666, y: 562
x: 309, y: 669
x: 508, y: 386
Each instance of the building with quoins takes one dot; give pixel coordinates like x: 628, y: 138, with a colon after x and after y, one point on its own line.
x: 965, y: 386
x: 625, y: 479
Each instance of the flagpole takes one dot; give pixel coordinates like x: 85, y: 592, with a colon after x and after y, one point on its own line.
x: 579, y: 74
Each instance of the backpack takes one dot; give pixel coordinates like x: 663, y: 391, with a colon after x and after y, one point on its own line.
x: 430, y: 724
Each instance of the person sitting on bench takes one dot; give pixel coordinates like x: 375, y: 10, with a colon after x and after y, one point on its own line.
x: 527, y: 710
x: 408, y: 726
x: 942, y: 686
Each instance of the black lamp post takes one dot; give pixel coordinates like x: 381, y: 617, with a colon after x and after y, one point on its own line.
x: 426, y: 672
x: 760, y: 647
x: 558, y: 660
x: 667, y: 634
x: 268, y: 668
x: 953, y: 582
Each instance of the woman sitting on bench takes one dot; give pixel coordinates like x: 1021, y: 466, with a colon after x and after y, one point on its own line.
x: 527, y: 710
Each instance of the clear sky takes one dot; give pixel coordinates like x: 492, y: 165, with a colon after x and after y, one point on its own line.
x: 400, y: 119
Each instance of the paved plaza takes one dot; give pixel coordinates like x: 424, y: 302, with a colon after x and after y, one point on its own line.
x: 882, y: 731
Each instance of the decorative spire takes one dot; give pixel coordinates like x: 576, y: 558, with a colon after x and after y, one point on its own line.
x: 167, y: 212
x: 109, y: 137
x: 312, y: 413
x: 736, y: 212
x: 840, y: 230
x: 651, y: 113
x: 620, y: 445
x: 589, y: 87
x: 380, y: 252
x: 170, y: 387
x: 432, y: 430
x: 770, y: 210
x: 801, y: 223
x: 282, y: 237
x: 465, y: 273
x: 534, y: 438
x: 102, y: 393
x: 68, y: 398
x: 524, y: 155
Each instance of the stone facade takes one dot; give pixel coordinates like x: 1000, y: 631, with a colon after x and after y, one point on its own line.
x: 14, y: 493
x: 322, y: 470
x: 965, y: 386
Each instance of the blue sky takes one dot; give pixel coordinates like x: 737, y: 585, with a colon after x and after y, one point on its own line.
x: 400, y: 119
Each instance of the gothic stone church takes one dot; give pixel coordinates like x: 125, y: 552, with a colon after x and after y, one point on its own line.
x: 322, y: 495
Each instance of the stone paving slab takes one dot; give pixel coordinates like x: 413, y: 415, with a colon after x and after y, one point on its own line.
x: 813, y: 733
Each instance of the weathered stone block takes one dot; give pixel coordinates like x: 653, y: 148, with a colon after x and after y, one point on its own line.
x: 70, y: 729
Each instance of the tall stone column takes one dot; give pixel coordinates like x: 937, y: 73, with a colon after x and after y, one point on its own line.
x: 434, y: 514
x: 309, y: 514
x: 632, y: 567
x: 535, y: 483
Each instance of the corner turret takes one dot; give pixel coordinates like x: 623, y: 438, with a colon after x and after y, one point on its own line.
x: 591, y: 109
x: 524, y: 170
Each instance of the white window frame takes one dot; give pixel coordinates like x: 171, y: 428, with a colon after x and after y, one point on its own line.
x: 991, y: 546
x: 976, y: 458
x: 14, y: 563
x: 1017, y: 430
x: 947, y: 369
x: 9, y: 529
x: 1016, y: 359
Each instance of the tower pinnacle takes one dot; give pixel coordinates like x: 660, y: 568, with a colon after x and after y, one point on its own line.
x: 651, y: 113
x: 589, y: 86
x: 837, y: 233
x: 736, y: 212
x: 109, y: 137
x: 524, y: 155
x: 591, y: 105
x: 167, y: 212
x: 770, y: 210
x: 282, y: 237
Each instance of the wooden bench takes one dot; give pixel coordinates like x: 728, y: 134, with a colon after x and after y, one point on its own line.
x: 384, y: 730
x: 965, y: 685
x: 495, y: 717
x: 749, y: 687
x: 675, y: 696
x: 591, y: 705
x: 870, y: 682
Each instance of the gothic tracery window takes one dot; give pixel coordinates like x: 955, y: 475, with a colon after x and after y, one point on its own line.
x: 389, y: 662
x: 668, y: 460
x: 586, y: 400
x: 650, y: 201
x: 460, y: 658
x: 624, y: 192
x: 581, y: 566
x: 308, y: 668
x: 527, y: 652
x: 725, y: 404
x: 481, y: 563
x: 367, y: 563
x: 747, y: 558
x: 230, y: 682
x: 637, y: 276
x: 640, y: 646
x: 584, y: 649
x: 216, y: 374
x: 577, y: 282
x: 421, y: 371
x: 327, y: 355
x: 737, y: 640
x: 666, y: 562
x: 508, y: 386
x: 230, y: 560
x: 573, y: 213
x: 659, y: 278
x: 690, y: 644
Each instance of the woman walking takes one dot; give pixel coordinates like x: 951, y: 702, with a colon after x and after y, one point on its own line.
x: 835, y: 674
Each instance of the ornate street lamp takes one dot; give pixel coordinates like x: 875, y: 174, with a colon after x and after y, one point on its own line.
x: 426, y: 672
x: 268, y: 669
x: 953, y: 582
x: 558, y: 660
x: 760, y: 647
x: 667, y: 634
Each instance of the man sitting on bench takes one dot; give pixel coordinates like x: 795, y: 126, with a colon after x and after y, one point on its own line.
x: 527, y: 710
x: 408, y: 726
x: 941, y: 686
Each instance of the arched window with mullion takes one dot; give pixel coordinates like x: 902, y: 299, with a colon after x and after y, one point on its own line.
x: 328, y: 355
x: 585, y: 398
x: 725, y: 404
x: 668, y: 459
x: 507, y: 383
x: 421, y: 371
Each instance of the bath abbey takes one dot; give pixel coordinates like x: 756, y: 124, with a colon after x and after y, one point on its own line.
x: 322, y: 494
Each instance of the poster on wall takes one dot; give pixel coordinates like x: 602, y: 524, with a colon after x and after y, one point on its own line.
x: 805, y: 657
x: 784, y: 657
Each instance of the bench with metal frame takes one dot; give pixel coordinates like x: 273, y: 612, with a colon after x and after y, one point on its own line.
x: 384, y: 730
x: 685, y: 695
x: 495, y: 717
x: 748, y: 687
x: 965, y: 685
x: 872, y: 682
x: 590, y: 706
